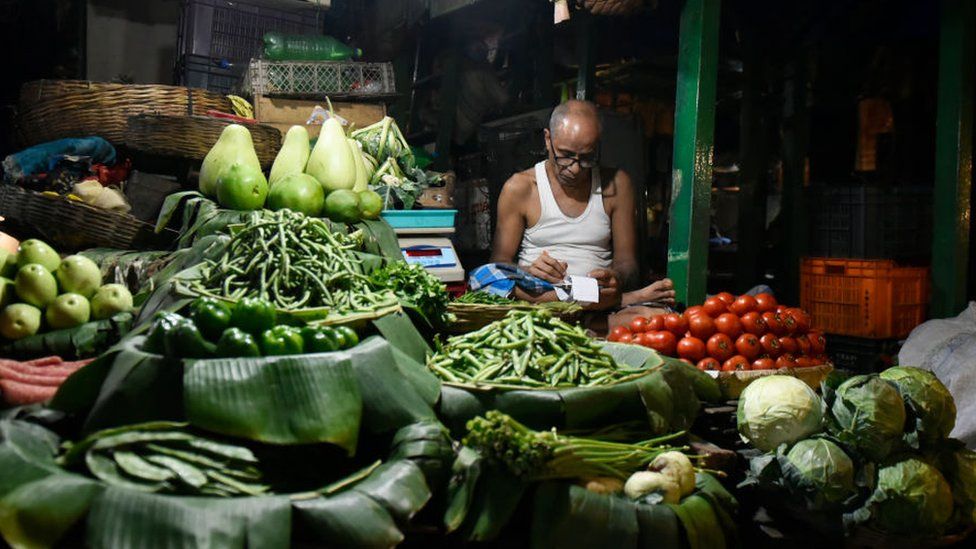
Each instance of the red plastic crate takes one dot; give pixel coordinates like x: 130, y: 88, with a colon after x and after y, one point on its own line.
x: 863, y: 297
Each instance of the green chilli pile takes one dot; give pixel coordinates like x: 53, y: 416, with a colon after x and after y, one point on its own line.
x: 527, y: 349
x: 295, y: 262
x: 164, y: 457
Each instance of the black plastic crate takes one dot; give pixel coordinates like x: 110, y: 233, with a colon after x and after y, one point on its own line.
x: 234, y: 30
x: 216, y: 75
x: 868, y: 222
x: 861, y: 355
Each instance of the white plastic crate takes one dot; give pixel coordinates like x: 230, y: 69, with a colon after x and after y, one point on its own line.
x: 337, y: 79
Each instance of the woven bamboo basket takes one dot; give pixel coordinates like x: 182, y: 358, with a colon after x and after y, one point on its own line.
x: 54, y: 109
x: 733, y: 383
x: 611, y: 7
x: 69, y: 225
x: 473, y: 316
x: 193, y: 136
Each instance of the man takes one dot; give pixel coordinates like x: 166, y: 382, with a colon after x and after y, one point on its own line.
x: 567, y: 216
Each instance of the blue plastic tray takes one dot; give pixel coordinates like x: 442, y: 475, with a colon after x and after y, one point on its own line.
x: 419, y: 219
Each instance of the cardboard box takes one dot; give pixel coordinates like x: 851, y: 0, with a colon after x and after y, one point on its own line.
x: 439, y: 197
x: 284, y: 113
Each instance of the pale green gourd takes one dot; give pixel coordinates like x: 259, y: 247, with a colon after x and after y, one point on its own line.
x: 362, y: 181
x: 293, y: 156
x: 331, y: 161
x: 233, y: 147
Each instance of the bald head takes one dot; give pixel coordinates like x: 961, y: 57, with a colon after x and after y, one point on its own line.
x: 573, y: 116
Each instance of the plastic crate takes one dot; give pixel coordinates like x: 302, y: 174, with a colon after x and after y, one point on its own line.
x: 863, y: 297
x: 234, y: 30
x: 419, y: 219
x: 210, y: 73
x: 337, y: 79
x: 868, y: 222
x: 861, y: 355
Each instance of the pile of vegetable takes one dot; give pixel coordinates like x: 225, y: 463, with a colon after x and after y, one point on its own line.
x: 392, y: 168
x: 294, y: 261
x: 527, y: 349
x: 34, y: 381
x: 40, y: 291
x: 484, y: 298
x: 247, y: 328
x: 874, y: 451
x: 167, y: 458
x: 731, y: 333
x: 415, y: 286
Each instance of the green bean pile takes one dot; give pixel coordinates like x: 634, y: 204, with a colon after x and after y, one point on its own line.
x: 484, y: 298
x: 295, y: 262
x: 526, y: 349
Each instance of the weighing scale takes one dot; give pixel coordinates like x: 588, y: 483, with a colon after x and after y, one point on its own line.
x: 432, y: 248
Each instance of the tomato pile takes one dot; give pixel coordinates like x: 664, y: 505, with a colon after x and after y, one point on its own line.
x: 730, y: 333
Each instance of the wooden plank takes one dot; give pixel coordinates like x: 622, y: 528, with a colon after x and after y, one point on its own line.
x: 283, y: 113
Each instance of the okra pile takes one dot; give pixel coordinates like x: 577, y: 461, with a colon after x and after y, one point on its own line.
x: 295, y: 262
x: 166, y: 458
x: 526, y: 349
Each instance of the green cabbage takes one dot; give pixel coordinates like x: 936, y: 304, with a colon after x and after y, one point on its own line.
x: 819, y: 469
x: 868, y: 414
x: 911, y: 498
x: 778, y: 409
x: 958, y: 466
x: 928, y: 401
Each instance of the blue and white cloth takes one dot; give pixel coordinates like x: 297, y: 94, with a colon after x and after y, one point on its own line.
x: 501, y: 278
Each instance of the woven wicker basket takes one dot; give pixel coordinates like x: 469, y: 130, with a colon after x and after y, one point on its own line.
x: 611, y: 7
x: 69, y: 225
x: 54, y: 109
x: 193, y: 136
x: 472, y: 316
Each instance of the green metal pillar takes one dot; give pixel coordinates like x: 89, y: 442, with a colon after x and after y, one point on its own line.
x: 752, y: 163
x: 691, y: 176
x: 586, y: 53
x: 953, y: 158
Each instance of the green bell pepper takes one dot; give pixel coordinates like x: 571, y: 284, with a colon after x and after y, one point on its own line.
x: 163, y: 323
x: 235, y: 342
x: 184, y: 340
x: 253, y: 315
x: 349, y: 336
x: 211, y: 316
x: 282, y: 340
x: 319, y: 340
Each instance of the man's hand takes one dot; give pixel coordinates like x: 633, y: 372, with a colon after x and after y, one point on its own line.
x: 609, y: 289
x: 548, y: 268
x: 661, y: 291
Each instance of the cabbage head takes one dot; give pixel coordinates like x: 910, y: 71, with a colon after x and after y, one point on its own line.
x: 927, y: 400
x: 819, y: 469
x: 911, y: 498
x: 869, y: 415
x: 778, y: 409
x: 958, y: 466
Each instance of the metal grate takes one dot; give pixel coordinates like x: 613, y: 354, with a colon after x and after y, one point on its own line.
x: 317, y: 78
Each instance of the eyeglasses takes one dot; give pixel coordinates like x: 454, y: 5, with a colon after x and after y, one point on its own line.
x: 586, y: 162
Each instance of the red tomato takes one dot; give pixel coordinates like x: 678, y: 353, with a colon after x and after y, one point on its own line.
x: 805, y: 362
x: 785, y: 361
x: 764, y: 364
x: 692, y: 311
x: 676, y: 324
x: 765, y: 302
x: 625, y: 338
x: 818, y: 343
x: 686, y: 361
x: 691, y: 348
x: 788, y: 345
x: 803, y: 345
x: 729, y: 325
x: 701, y: 326
x: 801, y: 318
x: 663, y: 342
x: 774, y: 323
x: 655, y: 323
x: 781, y: 309
x: 638, y: 325
x: 714, y: 306
x: 789, y: 323
x: 708, y: 363
x: 738, y: 362
x: 819, y: 359
x: 743, y: 304
x: 726, y: 297
x: 720, y: 347
x: 748, y: 346
x: 770, y: 345
x: 642, y: 339
x: 753, y: 323
x: 618, y: 331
